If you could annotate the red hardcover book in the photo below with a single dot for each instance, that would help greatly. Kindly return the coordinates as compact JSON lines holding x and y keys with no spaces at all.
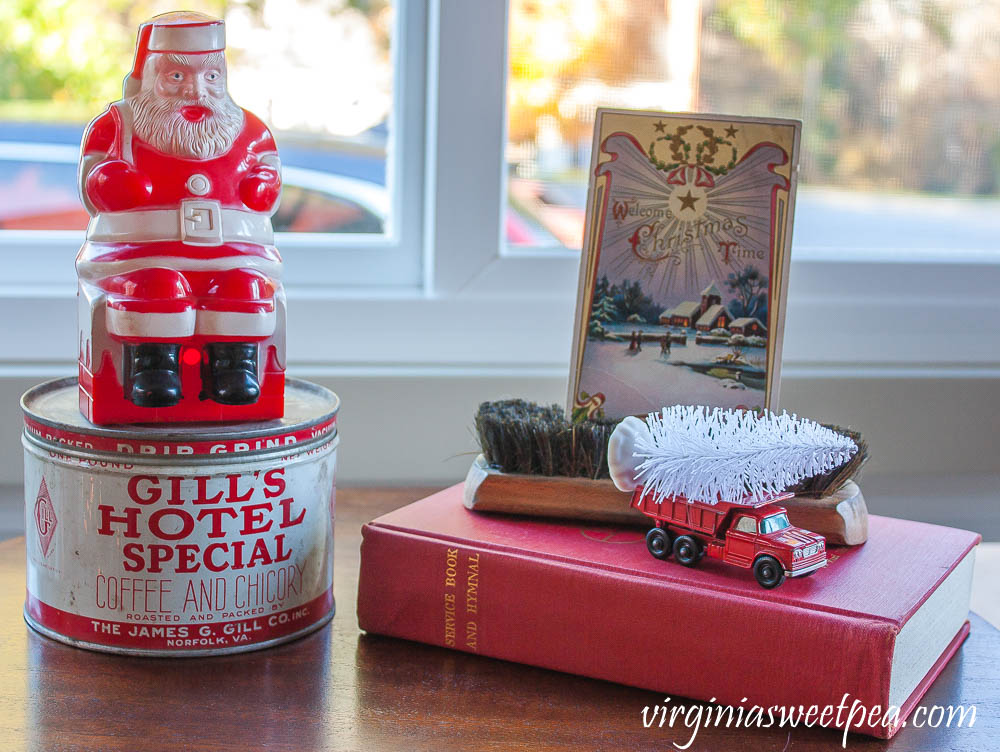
{"x":878,"y":624}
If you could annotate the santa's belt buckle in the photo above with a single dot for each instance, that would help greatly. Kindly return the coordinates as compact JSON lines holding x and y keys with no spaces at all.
{"x":201,"y":222}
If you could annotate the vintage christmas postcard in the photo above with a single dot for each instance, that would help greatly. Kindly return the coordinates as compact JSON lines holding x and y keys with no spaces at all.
{"x":684,"y":271}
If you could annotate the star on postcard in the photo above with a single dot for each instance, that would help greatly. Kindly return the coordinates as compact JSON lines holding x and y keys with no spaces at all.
{"x":687,"y":202}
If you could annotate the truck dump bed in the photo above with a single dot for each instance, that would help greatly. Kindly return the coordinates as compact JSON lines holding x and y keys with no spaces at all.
{"x":694,"y":515}
{"x":678,"y":510}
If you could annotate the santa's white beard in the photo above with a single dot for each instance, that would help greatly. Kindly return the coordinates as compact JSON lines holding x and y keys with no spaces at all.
{"x":158,"y":122}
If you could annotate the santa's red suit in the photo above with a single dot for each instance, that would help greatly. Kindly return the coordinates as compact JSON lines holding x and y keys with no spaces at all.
{"x":191,"y":252}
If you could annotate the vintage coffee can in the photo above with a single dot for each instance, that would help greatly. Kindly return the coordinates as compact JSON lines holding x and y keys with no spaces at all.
{"x":179,"y":539}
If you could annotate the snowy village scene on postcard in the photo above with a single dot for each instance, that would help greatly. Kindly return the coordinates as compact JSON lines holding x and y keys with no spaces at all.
{"x":685,"y":263}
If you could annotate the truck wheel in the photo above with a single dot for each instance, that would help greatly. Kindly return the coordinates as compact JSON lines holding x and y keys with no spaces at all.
{"x":768,"y":572}
{"x":687,"y":550}
{"x":658,"y":543}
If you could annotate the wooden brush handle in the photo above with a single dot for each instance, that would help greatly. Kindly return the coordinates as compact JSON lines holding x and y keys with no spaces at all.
{"x":842,"y":517}
{"x":489,"y":490}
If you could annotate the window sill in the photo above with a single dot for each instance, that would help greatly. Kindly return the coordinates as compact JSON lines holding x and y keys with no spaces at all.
{"x":516,"y":315}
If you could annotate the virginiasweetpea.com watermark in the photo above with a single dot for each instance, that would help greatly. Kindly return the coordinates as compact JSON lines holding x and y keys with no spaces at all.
{"x":847,"y":715}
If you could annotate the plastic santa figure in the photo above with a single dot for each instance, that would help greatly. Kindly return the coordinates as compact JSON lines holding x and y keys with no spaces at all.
{"x":179,"y":275}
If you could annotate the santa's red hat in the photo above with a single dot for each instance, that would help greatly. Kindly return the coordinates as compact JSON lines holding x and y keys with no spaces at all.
{"x":182,"y":32}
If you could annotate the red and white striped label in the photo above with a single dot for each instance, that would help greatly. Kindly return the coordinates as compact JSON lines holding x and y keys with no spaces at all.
{"x":89,"y":442}
{"x":181,"y":557}
{"x":170,"y":637}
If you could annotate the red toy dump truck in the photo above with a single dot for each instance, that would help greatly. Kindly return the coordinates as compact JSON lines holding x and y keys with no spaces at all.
{"x":752,"y":536}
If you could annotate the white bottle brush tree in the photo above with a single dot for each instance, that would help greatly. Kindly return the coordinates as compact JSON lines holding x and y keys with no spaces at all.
{"x":712,"y":455}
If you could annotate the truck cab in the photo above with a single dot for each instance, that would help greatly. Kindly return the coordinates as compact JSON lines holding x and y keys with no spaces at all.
{"x":766,"y":531}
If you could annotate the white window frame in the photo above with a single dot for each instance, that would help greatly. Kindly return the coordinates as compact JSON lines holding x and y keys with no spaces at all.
{"x":858,"y":311}
{"x":479,"y":309}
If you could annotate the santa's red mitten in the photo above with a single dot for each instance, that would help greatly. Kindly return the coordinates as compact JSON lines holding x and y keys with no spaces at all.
{"x":116,"y":185}
{"x":260,"y":189}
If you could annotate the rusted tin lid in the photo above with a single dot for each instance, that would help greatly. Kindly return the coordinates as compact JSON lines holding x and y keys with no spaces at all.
{"x":52,"y":418}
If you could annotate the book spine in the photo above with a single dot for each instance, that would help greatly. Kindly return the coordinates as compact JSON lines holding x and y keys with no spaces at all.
{"x":646,"y":633}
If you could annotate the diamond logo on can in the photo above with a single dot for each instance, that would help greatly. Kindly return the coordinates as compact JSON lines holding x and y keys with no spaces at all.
{"x":45,"y":518}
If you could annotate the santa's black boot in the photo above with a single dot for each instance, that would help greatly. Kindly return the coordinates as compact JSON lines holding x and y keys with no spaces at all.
{"x":230,"y":375}
{"x":152,"y":374}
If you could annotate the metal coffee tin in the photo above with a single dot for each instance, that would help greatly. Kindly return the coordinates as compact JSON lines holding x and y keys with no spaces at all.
{"x":179,"y":539}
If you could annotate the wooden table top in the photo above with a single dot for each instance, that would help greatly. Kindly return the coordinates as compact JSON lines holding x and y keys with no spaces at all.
{"x":340,"y":690}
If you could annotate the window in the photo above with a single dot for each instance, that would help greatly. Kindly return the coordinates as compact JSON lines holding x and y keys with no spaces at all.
{"x":747,"y":525}
{"x":327,"y":77}
{"x":899,"y":103}
{"x":452,"y":288}
{"x":774,"y":523}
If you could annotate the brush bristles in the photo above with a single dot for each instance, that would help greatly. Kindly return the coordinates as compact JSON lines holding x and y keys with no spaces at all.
{"x":828,"y":482}
{"x":521,"y":437}
{"x":516,"y":436}
{"x":737,"y":456}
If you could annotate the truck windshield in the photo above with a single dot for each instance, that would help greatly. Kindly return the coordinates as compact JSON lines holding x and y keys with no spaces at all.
{"x":774,"y":523}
